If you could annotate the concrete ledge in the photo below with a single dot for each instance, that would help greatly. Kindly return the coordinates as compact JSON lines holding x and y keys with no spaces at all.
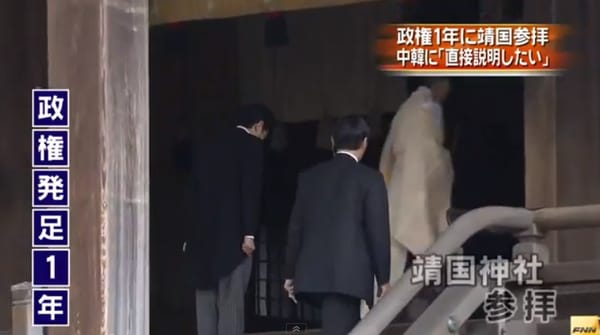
{"x":21,"y":293}
{"x":21,"y":311}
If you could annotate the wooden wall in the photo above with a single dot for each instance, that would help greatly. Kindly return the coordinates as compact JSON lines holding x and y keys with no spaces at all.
{"x":165,"y":11}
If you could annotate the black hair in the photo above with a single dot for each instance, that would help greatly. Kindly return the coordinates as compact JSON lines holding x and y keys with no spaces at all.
{"x":250,"y":114}
{"x":349,"y":132}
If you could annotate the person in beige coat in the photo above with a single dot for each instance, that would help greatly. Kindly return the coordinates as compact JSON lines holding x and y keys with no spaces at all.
{"x":418,"y":174}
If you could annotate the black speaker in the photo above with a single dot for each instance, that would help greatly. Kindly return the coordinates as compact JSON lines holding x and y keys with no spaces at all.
{"x":276,"y":34}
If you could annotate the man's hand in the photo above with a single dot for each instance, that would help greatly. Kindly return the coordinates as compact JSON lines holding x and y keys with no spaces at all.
{"x":248,"y":246}
{"x":383,"y":290}
{"x":288,"y":286}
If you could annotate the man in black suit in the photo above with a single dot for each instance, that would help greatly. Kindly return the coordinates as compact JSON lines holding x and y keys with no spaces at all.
{"x":220,"y":243}
{"x":339,"y":238}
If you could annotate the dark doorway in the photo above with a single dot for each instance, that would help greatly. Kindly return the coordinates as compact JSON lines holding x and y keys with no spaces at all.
{"x":193,"y":89}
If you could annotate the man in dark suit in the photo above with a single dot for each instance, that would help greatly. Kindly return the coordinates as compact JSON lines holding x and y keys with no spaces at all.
{"x":339,"y":238}
{"x":220,"y":243}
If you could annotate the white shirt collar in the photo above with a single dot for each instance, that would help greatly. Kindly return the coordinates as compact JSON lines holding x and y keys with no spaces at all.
{"x":244,"y":129}
{"x":344,"y":152}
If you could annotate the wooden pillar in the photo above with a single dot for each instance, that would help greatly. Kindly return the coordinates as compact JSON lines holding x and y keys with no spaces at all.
{"x":99,"y":50}
{"x":562,"y":126}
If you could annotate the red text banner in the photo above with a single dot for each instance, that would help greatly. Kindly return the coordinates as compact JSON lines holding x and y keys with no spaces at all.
{"x":472,"y":50}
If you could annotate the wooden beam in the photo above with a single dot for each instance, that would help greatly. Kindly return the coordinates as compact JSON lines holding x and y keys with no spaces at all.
{"x":571,"y":272}
{"x":99,"y":50}
{"x":562,"y":127}
{"x":168,"y":11}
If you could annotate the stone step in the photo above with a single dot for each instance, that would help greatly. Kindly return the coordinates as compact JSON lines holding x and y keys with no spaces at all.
{"x":572,"y":300}
{"x":471,"y":327}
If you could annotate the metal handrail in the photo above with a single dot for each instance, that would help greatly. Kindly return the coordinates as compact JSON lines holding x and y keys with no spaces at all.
{"x":511,"y":219}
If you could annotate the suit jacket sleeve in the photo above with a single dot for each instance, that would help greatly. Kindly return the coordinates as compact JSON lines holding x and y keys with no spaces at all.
{"x":294,"y":240}
{"x":197,"y":191}
{"x":378,"y":229}
{"x":251,"y":184}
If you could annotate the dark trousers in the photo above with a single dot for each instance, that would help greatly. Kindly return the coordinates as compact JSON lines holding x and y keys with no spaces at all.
{"x":221,"y":311}
{"x":340,"y":313}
